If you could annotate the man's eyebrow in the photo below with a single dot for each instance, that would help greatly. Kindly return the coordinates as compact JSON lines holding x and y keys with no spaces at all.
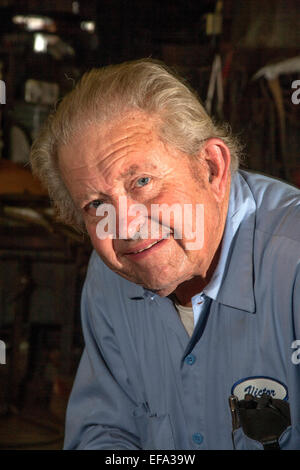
{"x":90,"y":193}
{"x":135,"y":168}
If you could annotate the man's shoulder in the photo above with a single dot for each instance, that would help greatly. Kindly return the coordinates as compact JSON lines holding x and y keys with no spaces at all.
{"x":277,"y":205}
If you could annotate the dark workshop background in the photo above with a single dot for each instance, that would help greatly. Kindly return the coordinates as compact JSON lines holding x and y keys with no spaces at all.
{"x":245,"y":52}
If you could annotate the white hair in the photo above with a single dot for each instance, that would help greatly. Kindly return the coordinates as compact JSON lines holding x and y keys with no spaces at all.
{"x":109,"y":92}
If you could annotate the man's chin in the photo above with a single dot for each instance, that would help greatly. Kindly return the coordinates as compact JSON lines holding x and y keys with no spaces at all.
{"x":162,"y":291}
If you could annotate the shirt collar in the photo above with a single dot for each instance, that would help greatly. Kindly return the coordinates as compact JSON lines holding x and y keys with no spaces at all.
{"x":232,"y":281}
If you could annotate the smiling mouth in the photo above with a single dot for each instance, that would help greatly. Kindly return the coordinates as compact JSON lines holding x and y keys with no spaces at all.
{"x":144,"y":249}
{"x":147,"y":248}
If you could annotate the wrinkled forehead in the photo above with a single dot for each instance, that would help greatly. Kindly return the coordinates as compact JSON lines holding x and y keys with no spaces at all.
{"x":105,"y":157}
{"x":95,"y":140}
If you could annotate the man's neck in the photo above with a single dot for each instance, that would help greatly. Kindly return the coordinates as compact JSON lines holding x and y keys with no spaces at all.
{"x":185,"y":291}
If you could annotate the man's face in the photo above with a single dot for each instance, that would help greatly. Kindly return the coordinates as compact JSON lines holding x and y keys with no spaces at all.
{"x":126,"y":161}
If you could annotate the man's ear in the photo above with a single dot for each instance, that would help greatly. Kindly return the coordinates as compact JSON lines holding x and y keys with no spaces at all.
{"x":216,"y":154}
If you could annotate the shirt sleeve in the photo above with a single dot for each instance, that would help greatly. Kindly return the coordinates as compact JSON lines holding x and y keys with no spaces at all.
{"x":100,"y":409}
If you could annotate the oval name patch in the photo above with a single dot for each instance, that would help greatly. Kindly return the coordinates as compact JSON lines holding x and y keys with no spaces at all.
{"x":256,"y":386}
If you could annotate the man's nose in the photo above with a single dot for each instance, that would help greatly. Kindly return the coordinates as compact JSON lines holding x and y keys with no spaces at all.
{"x":131,"y":218}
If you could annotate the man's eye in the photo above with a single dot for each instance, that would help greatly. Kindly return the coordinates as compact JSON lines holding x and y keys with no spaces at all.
{"x":143,"y":181}
{"x":92,"y":206}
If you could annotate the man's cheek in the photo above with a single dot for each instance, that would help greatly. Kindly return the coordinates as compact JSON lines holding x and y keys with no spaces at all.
{"x":104,"y":248}
{"x":91,"y":229}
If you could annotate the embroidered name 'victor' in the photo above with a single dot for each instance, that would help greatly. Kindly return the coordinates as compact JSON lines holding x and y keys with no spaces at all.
{"x":258,"y":392}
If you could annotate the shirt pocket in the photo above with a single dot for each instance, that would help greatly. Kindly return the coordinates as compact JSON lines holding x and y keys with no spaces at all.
{"x":155,"y":430}
{"x":243,"y":442}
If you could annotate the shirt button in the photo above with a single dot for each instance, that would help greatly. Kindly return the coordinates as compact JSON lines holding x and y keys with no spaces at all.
{"x":197,"y":438}
{"x":190,"y":359}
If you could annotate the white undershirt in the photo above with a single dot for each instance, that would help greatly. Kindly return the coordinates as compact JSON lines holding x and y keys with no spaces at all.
{"x":187,"y":317}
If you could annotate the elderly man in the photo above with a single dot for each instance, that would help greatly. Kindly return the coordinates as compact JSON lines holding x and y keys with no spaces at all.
{"x":190,"y":313}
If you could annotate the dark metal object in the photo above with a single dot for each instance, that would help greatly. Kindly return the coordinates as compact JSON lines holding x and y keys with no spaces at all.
{"x":263,"y":418}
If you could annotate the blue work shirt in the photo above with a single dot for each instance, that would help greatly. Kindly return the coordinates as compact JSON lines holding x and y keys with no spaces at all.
{"x":143,"y":383}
